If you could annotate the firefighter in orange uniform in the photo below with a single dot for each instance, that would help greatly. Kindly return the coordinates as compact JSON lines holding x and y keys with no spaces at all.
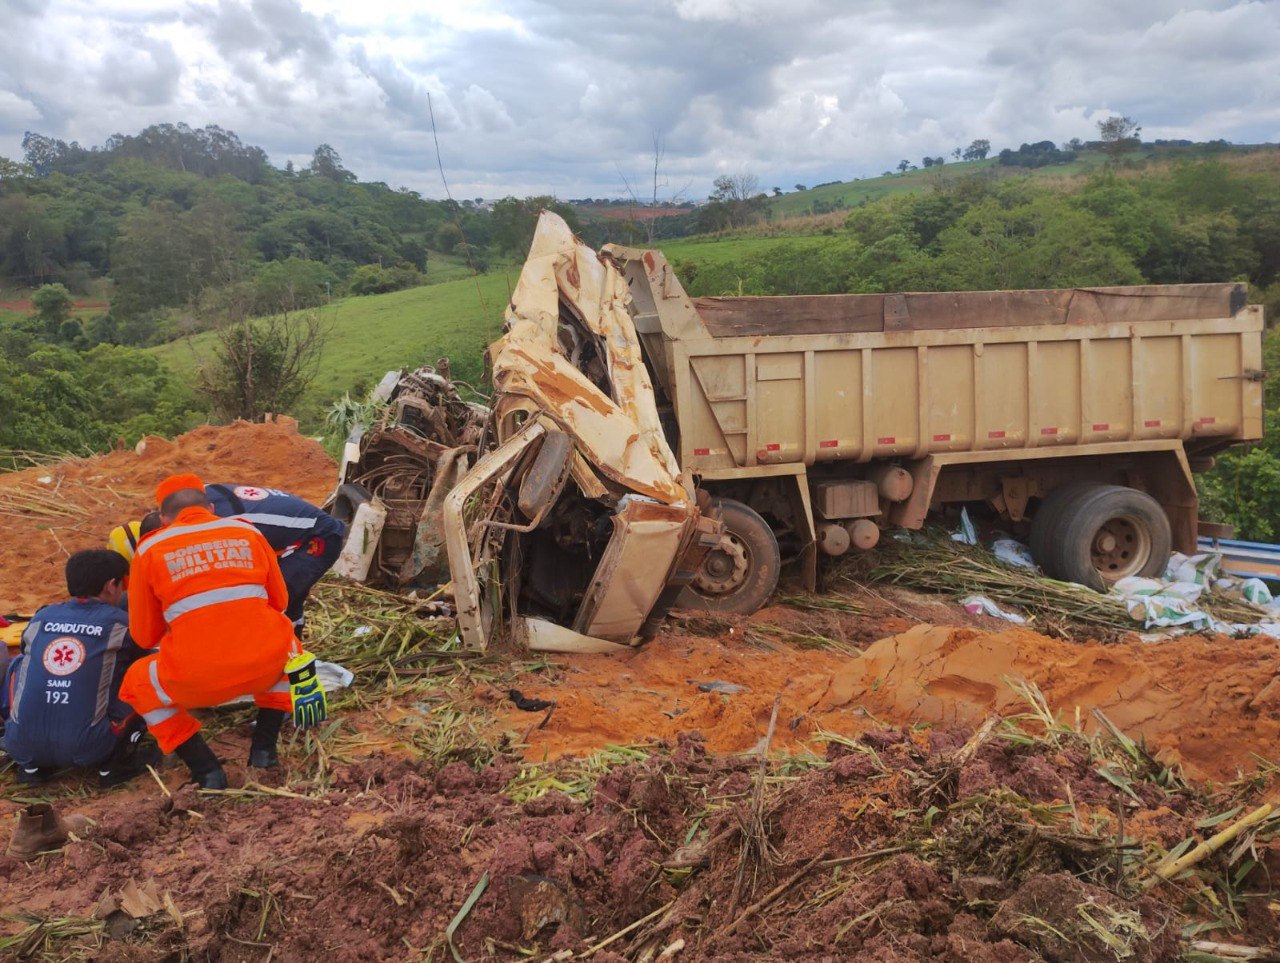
{"x":209,"y":593}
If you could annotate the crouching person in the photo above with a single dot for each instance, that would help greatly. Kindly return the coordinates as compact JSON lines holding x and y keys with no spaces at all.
{"x":207,"y":591}
{"x":63,"y":688}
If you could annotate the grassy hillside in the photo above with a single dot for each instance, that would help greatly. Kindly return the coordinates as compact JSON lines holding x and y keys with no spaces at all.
{"x":849,"y":194}
{"x":371,"y":335}
{"x":856,"y":193}
{"x":708,"y":251}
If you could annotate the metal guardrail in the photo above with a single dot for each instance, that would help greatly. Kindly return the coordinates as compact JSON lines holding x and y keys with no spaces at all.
{"x":1246,"y":559}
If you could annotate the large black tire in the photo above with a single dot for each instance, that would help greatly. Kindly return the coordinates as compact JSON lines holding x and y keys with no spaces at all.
{"x":1045,"y":521}
{"x":1109,"y":532}
{"x":741,"y":573}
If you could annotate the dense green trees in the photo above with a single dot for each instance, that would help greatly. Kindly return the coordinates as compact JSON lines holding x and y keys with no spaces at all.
{"x":184,"y":219}
{"x":1199,"y":221}
{"x":1040,"y":154}
{"x":53,"y":303}
{"x":57,"y":399}
{"x":513,"y":221}
{"x":1243,"y":490}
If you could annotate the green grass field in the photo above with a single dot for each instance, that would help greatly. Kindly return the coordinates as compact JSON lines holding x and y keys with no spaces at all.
{"x":706,"y":251}
{"x":370,"y":336}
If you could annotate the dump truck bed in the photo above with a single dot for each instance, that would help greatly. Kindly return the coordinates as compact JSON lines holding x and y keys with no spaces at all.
{"x":987,"y":374}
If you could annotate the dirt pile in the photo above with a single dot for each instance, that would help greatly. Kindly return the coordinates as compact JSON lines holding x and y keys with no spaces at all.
{"x":52,"y":510}
{"x":900,"y":845}
{"x":1209,"y":703}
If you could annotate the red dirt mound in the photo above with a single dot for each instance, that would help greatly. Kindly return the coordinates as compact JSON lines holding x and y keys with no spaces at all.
{"x":1206,"y":702}
{"x":53,"y":510}
{"x":901,"y":846}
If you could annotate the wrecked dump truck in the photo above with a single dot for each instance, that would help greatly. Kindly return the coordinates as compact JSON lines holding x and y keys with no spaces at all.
{"x":647,"y":450}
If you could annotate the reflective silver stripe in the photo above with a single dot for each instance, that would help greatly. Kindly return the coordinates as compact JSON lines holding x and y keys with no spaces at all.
{"x":106,"y":678}
{"x":173,"y":530}
{"x":20,"y":684}
{"x":156,"y":716}
{"x":155,"y":684}
{"x":213,"y":597}
{"x":283,"y":521}
{"x":279,"y":687}
{"x":30,"y":632}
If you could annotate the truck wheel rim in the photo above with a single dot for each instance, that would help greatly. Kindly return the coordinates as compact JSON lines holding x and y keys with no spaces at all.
{"x":725,"y":567}
{"x":1121,"y":547}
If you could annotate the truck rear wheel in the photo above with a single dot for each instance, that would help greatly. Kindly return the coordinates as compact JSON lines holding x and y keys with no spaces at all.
{"x":740,"y":573}
{"x":1045,"y":522}
{"x":1104,"y":533}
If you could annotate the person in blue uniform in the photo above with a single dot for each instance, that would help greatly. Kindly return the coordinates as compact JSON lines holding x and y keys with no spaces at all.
{"x":62,"y":692}
{"x":307,"y":540}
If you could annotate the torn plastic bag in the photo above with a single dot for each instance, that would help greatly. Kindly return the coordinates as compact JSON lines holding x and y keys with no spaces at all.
{"x":981,"y":605}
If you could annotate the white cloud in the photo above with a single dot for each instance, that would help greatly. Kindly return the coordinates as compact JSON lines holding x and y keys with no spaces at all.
{"x":531,"y":96}
{"x":15,"y":110}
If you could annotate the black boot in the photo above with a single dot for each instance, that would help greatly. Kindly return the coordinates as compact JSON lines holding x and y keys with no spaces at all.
{"x":130,"y":760}
{"x":266,"y":733}
{"x":35,"y":775}
{"x":206,"y":771}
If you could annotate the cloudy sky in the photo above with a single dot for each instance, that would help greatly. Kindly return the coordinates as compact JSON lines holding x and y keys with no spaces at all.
{"x":566,"y":96}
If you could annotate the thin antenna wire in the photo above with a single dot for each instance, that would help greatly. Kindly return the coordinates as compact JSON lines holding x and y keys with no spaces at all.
{"x":475,"y":275}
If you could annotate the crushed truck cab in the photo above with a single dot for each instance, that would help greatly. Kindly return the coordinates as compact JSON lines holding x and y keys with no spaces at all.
{"x":583,"y":518}
{"x":562,"y":513}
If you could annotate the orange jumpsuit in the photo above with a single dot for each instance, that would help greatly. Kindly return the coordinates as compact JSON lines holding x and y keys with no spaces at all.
{"x":209,"y":593}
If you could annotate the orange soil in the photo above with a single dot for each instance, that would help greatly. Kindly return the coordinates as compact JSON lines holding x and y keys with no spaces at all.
{"x":96,"y":494}
{"x":1207,"y":702}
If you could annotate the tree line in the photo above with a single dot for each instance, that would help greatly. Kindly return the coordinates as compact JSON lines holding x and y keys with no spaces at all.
{"x":183,"y":229}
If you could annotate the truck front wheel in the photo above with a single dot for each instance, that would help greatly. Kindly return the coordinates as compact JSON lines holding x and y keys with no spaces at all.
{"x":1105,"y":533}
{"x":740,"y":573}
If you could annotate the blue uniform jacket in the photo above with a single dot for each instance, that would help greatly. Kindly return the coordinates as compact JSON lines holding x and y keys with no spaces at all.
{"x":287,"y":521}
{"x":65,"y":685}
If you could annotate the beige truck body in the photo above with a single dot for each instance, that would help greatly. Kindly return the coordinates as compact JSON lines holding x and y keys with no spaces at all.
{"x":997,"y":396}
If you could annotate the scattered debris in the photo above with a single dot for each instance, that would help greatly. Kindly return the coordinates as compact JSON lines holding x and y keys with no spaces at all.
{"x":986,"y":581}
{"x":524,"y":704}
{"x":724,"y":688}
{"x":981,"y":605}
{"x":124,"y":910}
{"x":396,"y":473}
{"x":540,"y":901}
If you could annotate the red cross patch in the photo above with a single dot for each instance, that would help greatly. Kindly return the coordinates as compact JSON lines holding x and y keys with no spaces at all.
{"x":63,"y":656}
{"x":250,"y":493}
